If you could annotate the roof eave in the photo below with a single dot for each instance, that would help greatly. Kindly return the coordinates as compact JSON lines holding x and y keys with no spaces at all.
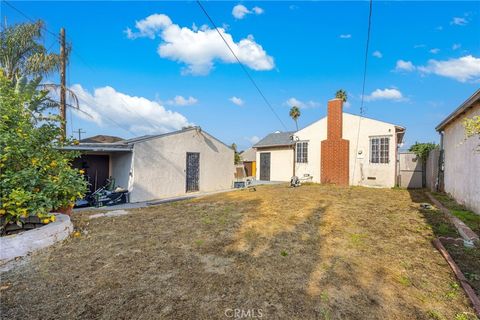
{"x":461,"y":109}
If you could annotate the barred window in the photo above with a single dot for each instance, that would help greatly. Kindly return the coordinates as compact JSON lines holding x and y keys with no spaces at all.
{"x":379,"y":147}
{"x":302,"y":152}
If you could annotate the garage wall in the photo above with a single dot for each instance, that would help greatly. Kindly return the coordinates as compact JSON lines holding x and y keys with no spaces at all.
{"x":121,"y":169}
{"x":160,"y":165}
{"x":281,"y":163}
{"x":462,"y":162}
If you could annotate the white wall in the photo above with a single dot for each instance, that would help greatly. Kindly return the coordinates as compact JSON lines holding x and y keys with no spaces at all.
{"x":462,"y":163}
{"x":281,"y":163}
{"x":121,"y":168}
{"x":160,"y":165}
{"x":384,"y":173}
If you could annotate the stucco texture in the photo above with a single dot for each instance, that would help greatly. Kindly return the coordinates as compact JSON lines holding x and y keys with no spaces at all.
{"x":159,"y":165}
{"x":361,"y":171}
{"x":462,"y":162}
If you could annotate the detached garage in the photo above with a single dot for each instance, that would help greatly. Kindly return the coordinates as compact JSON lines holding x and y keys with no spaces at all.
{"x":160,"y":166}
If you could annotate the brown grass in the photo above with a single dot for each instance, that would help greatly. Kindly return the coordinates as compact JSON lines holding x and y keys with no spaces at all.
{"x":312,"y":252}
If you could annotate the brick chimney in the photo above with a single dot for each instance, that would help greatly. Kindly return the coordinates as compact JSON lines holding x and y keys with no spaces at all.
{"x":335,"y":150}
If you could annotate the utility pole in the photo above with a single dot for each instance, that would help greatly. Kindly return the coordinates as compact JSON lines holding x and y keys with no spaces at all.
{"x":63,"y":97}
{"x":79,"y":132}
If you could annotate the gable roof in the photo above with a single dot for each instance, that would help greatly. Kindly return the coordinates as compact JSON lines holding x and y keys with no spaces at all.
{"x":474,"y":98}
{"x":276,"y":139}
{"x":248,"y":155}
{"x":127,"y":145}
{"x":100,"y":138}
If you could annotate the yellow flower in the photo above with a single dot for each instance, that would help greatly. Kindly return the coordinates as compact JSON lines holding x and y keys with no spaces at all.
{"x":53,"y":164}
{"x":81,"y":171}
{"x":45,"y":221}
{"x":34,"y":161}
{"x":76,"y":234}
{"x":53,"y":218}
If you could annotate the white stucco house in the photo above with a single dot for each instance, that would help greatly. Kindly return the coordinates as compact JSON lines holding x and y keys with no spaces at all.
{"x":160,"y":166}
{"x":461,"y":155}
{"x":340,"y":148}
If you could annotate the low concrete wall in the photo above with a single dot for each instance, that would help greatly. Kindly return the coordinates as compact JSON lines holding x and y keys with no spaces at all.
{"x":19,"y":245}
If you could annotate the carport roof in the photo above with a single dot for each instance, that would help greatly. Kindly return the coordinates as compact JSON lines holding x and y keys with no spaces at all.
{"x":276,"y":139}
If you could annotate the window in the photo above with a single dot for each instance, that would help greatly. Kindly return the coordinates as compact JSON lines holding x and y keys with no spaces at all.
{"x":379,"y":147}
{"x":302,"y":152}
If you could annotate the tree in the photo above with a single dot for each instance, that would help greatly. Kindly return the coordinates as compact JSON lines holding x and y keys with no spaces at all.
{"x":422,"y":150}
{"x":24,"y":62}
{"x":35,"y":174}
{"x":295,"y":114}
{"x":341,"y":94}
{"x":237,"y":158}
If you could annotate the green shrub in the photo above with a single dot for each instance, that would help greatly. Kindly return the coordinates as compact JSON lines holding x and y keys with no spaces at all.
{"x":35,"y":175}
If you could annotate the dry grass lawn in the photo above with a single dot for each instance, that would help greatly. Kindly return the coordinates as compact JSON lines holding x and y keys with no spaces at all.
{"x":315,"y":252}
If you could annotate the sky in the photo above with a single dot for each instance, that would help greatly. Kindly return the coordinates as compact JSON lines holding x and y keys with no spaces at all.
{"x":153,"y":67}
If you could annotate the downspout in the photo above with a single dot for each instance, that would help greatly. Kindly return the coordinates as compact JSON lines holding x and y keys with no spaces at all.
{"x":440,"y":175}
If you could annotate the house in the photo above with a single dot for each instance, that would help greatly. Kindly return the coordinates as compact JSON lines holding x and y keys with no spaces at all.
{"x":159,"y":166}
{"x":248,"y":158}
{"x":461,"y":155}
{"x":340,"y":148}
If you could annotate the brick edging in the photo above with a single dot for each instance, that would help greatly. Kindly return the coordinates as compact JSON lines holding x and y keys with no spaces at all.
{"x":460,"y":276}
{"x":462,"y":228}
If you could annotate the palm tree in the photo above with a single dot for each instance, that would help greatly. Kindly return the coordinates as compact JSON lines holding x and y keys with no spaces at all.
{"x":341,"y":94}
{"x":295,"y":114}
{"x":25,"y":61}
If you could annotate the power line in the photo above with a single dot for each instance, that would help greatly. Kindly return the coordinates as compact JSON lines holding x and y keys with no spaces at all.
{"x":363,"y":84}
{"x":242,"y":65}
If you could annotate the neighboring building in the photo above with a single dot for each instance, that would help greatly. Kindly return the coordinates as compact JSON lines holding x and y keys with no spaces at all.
{"x":327,"y":151}
{"x":101,"y":139}
{"x":461,"y":155}
{"x":159,"y":166}
{"x":249,"y":161}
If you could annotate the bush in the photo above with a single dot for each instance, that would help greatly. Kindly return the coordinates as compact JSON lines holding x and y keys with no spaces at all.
{"x":35,"y":174}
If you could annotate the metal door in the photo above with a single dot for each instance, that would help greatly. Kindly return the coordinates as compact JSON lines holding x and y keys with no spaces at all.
{"x":265,"y":166}
{"x":193,"y":171}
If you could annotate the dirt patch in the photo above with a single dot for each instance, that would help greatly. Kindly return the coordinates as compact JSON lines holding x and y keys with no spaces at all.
{"x":314,"y":252}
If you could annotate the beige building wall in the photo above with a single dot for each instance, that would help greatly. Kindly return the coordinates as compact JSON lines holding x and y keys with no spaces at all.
{"x":462,"y":162}
{"x":384,"y":174}
{"x":159,"y":165}
{"x":281,"y":163}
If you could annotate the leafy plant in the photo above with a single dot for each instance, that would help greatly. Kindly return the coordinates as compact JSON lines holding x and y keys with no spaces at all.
{"x":35,"y":174}
{"x":472,"y":126}
{"x":422,"y":149}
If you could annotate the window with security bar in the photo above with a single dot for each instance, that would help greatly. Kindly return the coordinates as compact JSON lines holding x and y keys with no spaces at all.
{"x":302,"y":152}
{"x":379,"y":149}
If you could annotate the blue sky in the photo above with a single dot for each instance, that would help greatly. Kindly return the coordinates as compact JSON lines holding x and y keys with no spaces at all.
{"x":424,"y":60}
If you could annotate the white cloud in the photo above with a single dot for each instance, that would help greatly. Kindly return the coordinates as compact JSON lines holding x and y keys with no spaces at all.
{"x":434,"y":50}
{"x":136,"y":114}
{"x":459,"y":21}
{"x":345,"y":36}
{"x":456,"y":46}
{"x":237,"y":101}
{"x":182,"y":101}
{"x":385,"y":94}
{"x":253,"y":139}
{"x":297,"y":103}
{"x":463,"y":69}
{"x":199,"y":48}
{"x":403,"y":65}
{"x":377,"y":54}
{"x":240,"y":11}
